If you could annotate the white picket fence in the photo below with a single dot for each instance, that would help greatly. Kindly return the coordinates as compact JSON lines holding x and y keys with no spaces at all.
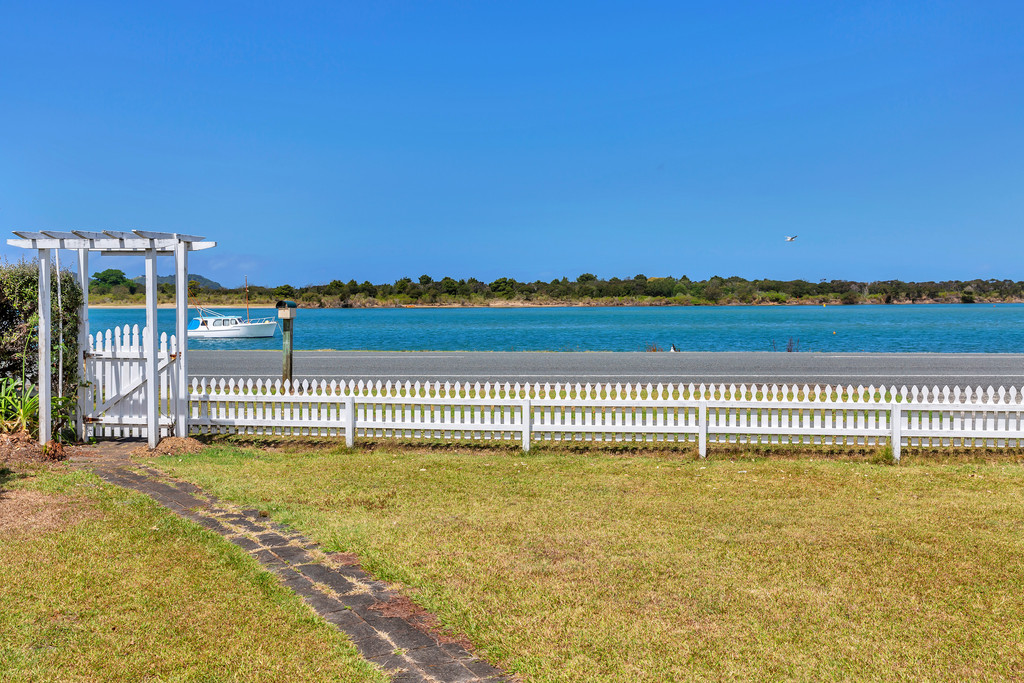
{"x":115,"y":396}
{"x":115,"y":393}
{"x":661,"y":413}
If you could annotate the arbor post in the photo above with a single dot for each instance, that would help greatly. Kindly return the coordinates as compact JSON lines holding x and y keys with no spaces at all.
{"x":181,"y":411}
{"x":83,"y":340}
{"x":45,"y":371}
{"x":149,"y":343}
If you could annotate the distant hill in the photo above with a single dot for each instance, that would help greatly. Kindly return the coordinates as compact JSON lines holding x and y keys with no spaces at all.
{"x":205,"y":283}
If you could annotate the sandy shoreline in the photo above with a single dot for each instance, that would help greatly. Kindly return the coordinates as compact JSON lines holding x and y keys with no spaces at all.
{"x":530,"y":304}
{"x":140,"y":307}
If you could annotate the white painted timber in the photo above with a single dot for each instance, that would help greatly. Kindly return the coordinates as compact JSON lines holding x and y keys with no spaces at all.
{"x":666,"y":413}
{"x":545,"y":412}
{"x":45,"y":370}
{"x":149,"y":346}
{"x":181,"y":334}
{"x":114,"y":385}
{"x":107,"y":245}
{"x":83,"y":336}
{"x":116,"y":392}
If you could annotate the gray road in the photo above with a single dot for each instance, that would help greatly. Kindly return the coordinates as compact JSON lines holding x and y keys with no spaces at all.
{"x":823,"y":368}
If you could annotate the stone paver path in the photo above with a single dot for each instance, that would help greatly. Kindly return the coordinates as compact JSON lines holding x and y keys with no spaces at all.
{"x":345,"y":596}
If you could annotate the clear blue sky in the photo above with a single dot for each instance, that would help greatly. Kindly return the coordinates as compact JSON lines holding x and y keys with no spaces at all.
{"x":380,"y":140}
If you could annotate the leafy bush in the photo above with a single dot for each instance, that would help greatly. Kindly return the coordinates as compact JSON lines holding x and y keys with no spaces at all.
{"x":19,"y":322}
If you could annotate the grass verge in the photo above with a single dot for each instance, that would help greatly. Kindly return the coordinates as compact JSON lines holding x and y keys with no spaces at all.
{"x":99,"y":583}
{"x":658,"y":568}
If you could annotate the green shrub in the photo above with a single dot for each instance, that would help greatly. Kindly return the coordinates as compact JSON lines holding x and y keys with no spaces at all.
{"x":19,"y":410}
{"x":19,"y":406}
{"x":19,"y":333}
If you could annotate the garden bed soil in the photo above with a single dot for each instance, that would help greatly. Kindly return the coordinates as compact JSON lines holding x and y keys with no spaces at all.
{"x":22,"y":449}
{"x":172,"y":445}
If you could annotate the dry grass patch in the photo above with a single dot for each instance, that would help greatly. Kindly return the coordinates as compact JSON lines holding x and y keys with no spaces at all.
{"x":617,"y":567}
{"x":103,"y":584}
{"x":24,"y":511}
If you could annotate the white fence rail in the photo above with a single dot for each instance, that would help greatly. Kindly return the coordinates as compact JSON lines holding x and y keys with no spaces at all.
{"x":662,"y":413}
{"x":115,"y":393}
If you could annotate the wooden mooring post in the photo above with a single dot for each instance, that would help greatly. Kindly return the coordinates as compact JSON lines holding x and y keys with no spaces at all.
{"x":286,"y":311}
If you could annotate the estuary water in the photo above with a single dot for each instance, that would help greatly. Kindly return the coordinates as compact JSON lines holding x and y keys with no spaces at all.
{"x":952,"y":328}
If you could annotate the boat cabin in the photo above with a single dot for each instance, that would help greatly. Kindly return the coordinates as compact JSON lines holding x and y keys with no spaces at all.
{"x":207,"y":323}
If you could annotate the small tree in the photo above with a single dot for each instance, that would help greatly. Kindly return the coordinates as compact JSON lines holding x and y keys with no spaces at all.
{"x":284,"y":292}
{"x":449,"y":286}
{"x":503,"y":286}
{"x":109,"y":280}
{"x":111,"y":277}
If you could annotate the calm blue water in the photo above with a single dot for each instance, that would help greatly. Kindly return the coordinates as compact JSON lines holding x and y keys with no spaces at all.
{"x":952,"y":328}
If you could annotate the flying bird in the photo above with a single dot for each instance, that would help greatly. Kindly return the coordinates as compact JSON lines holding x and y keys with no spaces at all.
{"x":790,"y":239}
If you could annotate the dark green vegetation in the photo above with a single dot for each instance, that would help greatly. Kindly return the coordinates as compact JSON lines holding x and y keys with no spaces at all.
{"x":19,"y":322}
{"x":663,"y":567}
{"x":113,"y":284}
{"x":587,"y":289}
{"x":19,"y":348}
{"x":100,"y":584}
{"x":197,"y":281}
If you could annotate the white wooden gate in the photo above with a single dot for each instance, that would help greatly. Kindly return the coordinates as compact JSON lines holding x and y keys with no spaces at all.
{"x":116,"y":394}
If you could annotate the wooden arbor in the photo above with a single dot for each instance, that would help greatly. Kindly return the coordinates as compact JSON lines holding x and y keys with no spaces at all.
{"x":111,"y":242}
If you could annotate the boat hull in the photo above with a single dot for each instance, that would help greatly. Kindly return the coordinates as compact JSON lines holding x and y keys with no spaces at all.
{"x":239,"y":331}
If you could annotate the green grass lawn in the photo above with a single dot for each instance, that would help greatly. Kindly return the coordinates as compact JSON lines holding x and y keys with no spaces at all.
{"x":110,"y":586}
{"x":625,"y":568}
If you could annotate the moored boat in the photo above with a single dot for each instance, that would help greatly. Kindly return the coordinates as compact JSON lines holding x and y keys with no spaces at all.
{"x":210,"y":324}
{"x":213,"y":325}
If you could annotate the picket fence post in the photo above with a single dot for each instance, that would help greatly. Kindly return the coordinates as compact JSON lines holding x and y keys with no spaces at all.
{"x":527,"y":424}
{"x":350,"y":421}
{"x":702,"y":426}
{"x":895,"y":418}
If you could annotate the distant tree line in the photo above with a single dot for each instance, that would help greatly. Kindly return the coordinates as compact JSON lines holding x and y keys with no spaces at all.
{"x":586,"y":289}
